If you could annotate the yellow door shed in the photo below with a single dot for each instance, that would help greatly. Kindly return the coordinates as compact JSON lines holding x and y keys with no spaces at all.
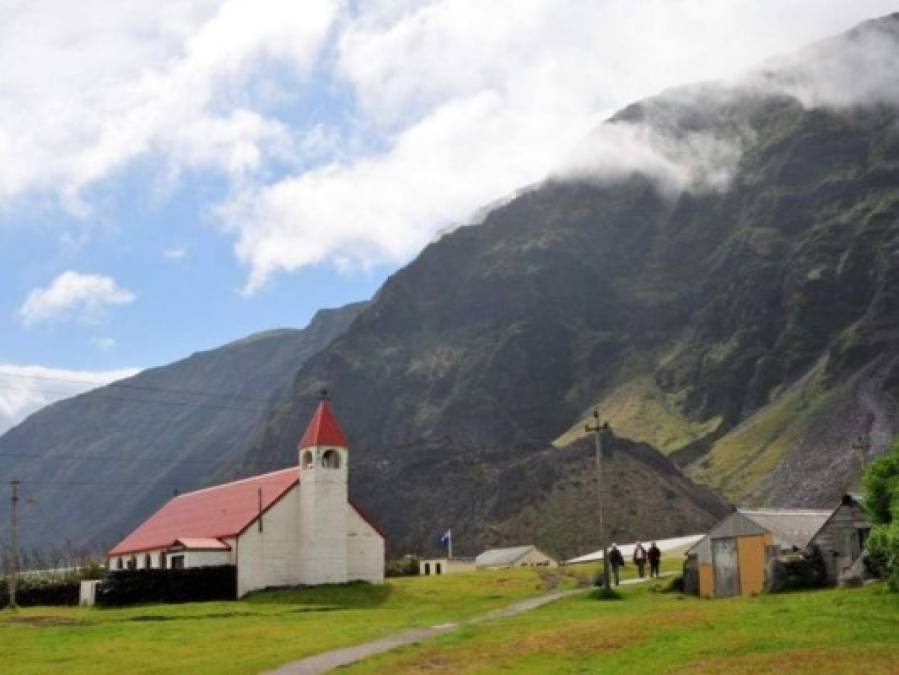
{"x":733,"y":557}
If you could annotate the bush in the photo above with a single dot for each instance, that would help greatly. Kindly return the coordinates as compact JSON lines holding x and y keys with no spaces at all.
{"x":33,"y":592}
{"x":194,"y":584}
{"x":881,"y":482}
{"x":406,"y":566}
{"x":797,"y":571}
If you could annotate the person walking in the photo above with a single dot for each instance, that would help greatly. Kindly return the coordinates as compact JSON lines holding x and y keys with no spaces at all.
{"x":640,"y":559}
{"x":616,"y":561}
{"x":655,"y":559}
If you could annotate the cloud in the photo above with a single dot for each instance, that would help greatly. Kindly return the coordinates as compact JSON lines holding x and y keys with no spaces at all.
{"x":103,"y":344}
{"x":26,"y":389}
{"x":88,"y":87}
{"x":474,"y":105}
{"x":449,"y":105}
{"x":71,"y":294}
{"x":175,"y":253}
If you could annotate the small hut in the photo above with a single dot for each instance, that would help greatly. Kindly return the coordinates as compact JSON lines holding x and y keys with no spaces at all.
{"x":842,"y":538}
{"x":733,"y":557}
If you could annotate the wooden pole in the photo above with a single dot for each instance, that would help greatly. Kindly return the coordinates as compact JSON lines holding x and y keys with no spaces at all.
{"x":14,"y":562}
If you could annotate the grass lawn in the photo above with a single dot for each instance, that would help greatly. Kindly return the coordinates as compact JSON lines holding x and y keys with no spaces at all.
{"x":261,"y":632}
{"x":820,"y":632}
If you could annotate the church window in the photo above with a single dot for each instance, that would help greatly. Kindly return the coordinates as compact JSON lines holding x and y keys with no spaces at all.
{"x":148,"y":562}
{"x":177,"y":562}
{"x":331,"y":459}
{"x":119,"y":564}
{"x":132,"y":563}
{"x":162,"y":560}
{"x":308,"y":461}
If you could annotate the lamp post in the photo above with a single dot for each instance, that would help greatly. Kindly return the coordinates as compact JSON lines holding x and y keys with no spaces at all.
{"x":598,"y":430}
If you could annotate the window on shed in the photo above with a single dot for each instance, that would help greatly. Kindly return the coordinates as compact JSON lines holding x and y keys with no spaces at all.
{"x":427,"y":569}
{"x":331,"y":459}
{"x":863,"y":534}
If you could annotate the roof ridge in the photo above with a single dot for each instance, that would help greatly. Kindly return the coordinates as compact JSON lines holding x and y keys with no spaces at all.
{"x":235,"y":482}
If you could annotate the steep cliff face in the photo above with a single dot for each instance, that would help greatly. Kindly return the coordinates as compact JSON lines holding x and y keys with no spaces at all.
{"x":727,"y":320}
{"x":95,"y":465}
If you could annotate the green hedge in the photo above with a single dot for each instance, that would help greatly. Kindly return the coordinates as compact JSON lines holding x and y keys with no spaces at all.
{"x":194,"y":584}
{"x":42,"y":592}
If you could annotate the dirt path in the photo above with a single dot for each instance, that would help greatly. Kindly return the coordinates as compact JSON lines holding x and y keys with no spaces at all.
{"x":326,"y":661}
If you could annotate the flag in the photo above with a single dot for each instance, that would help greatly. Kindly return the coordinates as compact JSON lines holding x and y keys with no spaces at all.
{"x":447,"y":537}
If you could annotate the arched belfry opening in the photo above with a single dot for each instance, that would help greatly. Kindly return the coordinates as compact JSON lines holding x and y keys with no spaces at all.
{"x":331,"y":459}
{"x":308,"y":460}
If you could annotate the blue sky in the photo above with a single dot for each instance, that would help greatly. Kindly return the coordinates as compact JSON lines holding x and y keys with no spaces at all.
{"x":177,"y":175}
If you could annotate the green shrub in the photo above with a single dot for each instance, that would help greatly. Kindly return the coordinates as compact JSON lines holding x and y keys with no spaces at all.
{"x":42,"y":591}
{"x":881,"y":482}
{"x":193,"y":584}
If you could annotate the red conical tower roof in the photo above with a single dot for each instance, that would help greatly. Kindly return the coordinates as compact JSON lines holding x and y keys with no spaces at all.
{"x":323,"y":429}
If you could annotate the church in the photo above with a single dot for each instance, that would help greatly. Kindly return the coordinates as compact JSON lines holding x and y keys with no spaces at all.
{"x":285,"y":528}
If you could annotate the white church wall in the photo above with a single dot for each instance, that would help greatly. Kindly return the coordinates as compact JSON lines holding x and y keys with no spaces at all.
{"x":203,"y":558}
{"x":365,"y":549}
{"x":323,"y":520}
{"x":270,"y":557}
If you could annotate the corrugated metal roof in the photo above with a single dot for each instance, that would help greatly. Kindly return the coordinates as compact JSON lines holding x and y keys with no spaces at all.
{"x":790,"y":527}
{"x":664,"y":545}
{"x":213,"y":512}
{"x":498,"y":557}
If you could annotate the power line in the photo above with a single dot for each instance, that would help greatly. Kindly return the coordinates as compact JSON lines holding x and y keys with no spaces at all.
{"x":140,"y":387}
{"x":124,"y":399}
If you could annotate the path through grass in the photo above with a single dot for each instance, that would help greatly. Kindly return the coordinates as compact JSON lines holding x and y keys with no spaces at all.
{"x":820,"y":632}
{"x":261,"y":632}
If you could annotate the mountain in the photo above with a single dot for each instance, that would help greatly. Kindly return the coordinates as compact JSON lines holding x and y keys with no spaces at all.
{"x":95,"y":465}
{"x":716,"y":271}
{"x":718,"y":275}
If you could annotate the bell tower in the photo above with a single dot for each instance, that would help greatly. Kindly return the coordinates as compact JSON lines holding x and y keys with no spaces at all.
{"x":324,"y":466}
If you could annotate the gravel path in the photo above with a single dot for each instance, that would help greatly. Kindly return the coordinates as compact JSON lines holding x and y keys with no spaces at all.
{"x":326,"y":661}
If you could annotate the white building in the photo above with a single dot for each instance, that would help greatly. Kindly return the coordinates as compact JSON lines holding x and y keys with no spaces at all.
{"x":285,"y":528}
{"x":514,"y":556}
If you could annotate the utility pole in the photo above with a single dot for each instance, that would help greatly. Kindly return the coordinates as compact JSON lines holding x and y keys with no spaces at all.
{"x":14,"y":563}
{"x":599,"y":429}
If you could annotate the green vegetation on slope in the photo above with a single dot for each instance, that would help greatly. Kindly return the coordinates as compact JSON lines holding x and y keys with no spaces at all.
{"x":640,"y":410}
{"x":821,"y":632}
{"x":261,"y":632}
{"x":739,"y":461}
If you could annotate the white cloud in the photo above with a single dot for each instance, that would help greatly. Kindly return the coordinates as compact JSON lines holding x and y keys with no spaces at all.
{"x":175,"y":253}
{"x":103,"y":344}
{"x":26,"y":389}
{"x":73,"y":295}
{"x":478,"y":99}
{"x":464,"y":101}
{"x":90,"y":86}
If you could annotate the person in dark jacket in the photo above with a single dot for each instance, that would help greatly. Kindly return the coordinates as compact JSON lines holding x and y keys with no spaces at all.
{"x":655,"y":559}
{"x":640,"y":559}
{"x":616,"y":561}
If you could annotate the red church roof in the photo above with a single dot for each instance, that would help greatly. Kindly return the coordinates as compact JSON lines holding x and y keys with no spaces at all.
{"x":212,"y":513}
{"x":323,"y":429}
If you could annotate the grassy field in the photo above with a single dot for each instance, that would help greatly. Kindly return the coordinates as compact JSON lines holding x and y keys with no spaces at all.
{"x":258,"y":633}
{"x":820,"y":632}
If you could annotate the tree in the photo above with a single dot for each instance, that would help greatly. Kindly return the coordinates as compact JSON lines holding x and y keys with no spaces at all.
{"x":881,"y":482}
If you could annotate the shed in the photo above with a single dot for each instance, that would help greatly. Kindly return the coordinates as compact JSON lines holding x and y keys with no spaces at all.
{"x":514,"y":556}
{"x":732,"y":557}
{"x":438,"y":566}
{"x":841,"y":539}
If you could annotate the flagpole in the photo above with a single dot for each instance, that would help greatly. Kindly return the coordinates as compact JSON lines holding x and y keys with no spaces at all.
{"x":450,"y":544}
